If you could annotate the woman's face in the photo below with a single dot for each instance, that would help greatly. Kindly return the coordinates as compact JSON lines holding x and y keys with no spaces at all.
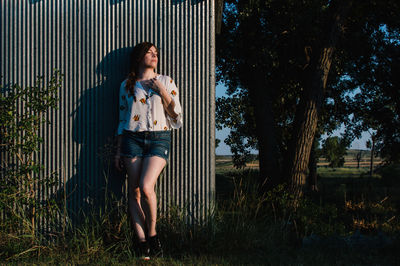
{"x":150,"y":59}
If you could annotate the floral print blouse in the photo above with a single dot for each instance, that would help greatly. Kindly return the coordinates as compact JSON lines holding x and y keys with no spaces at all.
{"x":144,"y":110}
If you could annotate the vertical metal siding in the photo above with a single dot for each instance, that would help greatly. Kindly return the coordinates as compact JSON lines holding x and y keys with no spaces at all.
{"x":88,"y":41}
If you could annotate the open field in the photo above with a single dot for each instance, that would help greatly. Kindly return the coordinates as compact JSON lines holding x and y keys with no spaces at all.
{"x":224,"y":163}
{"x":348,"y":178}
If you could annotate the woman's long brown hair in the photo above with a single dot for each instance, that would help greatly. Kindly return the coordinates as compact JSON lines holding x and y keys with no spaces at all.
{"x":138,"y":52}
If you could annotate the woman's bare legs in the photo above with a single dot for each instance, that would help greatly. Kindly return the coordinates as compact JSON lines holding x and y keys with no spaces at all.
{"x":151,"y":169}
{"x":142,"y":177}
{"x":133,"y":167}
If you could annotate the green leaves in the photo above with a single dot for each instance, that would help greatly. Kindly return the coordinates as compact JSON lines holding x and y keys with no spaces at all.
{"x":20,"y":140}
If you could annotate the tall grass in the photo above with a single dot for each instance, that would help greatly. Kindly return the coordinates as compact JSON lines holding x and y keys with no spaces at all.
{"x":235,"y":226}
{"x":243,"y":228}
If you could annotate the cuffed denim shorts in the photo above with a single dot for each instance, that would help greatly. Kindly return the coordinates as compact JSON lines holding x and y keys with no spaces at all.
{"x":146,"y":144}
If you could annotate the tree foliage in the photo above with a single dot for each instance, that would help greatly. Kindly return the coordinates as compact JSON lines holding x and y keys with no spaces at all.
{"x":281,"y":59}
{"x":376,"y":105}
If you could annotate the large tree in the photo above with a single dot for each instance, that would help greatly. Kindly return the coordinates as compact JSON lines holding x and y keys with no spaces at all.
{"x":283,"y":63}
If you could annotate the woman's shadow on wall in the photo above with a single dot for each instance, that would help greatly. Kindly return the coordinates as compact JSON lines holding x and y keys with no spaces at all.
{"x":95,"y":120}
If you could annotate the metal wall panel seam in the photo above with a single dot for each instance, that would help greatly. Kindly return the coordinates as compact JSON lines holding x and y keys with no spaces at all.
{"x":60,"y":58}
{"x":95,"y":92}
{"x":17,"y":64}
{"x":65,"y":164}
{"x":77,"y":78}
{"x":210,"y":84}
{"x":185,"y":83}
{"x":178,"y":80}
{"x":84,"y":115}
{"x":163,"y":183}
{"x":173,"y":75}
{"x":168,"y":68}
{"x":192,"y":100}
{"x":190,"y":111}
{"x":101,"y":80}
{"x":53,"y":64}
{"x":212,"y":107}
{"x":196,"y":123}
{"x":175,"y":69}
{"x":69,"y":169}
{"x":202,"y":121}
{"x":52,"y":44}
{"x":14,"y":40}
{"x":80,"y":159}
{"x":203,"y":112}
{"x":51,"y":144}
{"x":8,"y":44}
{"x":93,"y":85}
{"x":206,"y":111}
{"x":74,"y":79}
{"x":199,"y":119}
{"x":70,"y":84}
{"x":170,"y":23}
{"x":207,"y":106}
{"x":94,"y":136}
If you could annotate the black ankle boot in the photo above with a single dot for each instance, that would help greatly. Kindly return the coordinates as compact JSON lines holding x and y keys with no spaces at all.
{"x":144,"y":250}
{"x":155,"y":247}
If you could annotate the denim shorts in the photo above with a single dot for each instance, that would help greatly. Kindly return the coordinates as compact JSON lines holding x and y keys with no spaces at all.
{"x":146,"y":144}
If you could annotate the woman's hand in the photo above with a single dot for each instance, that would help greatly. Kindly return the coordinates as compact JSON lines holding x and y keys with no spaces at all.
{"x":160,"y":89}
{"x":118,"y":162}
{"x":155,"y":85}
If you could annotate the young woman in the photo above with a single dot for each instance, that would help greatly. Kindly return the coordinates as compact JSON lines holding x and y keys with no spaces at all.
{"x":149,"y":109}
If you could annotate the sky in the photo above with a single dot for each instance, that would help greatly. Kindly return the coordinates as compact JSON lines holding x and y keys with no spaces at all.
{"x":224,"y":149}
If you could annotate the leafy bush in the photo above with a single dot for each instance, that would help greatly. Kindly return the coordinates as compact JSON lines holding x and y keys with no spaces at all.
{"x":21,"y":174}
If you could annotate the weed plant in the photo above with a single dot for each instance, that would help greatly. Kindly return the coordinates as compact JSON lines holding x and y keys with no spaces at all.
{"x":22,"y":112}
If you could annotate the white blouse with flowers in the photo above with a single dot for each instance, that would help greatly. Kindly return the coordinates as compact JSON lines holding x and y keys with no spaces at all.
{"x":144,"y":110}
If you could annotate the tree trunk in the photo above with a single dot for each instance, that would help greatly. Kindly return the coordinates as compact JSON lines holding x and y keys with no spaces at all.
{"x":358,"y":158}
{"x":268,"y":148}
{"x":306,"y":118}
{"x":301,"y":144}
{"x":312,"y":167}
{"x":371,"y":165}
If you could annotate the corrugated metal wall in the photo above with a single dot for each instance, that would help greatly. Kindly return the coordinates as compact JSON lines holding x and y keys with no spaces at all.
{"x":89,"y":41}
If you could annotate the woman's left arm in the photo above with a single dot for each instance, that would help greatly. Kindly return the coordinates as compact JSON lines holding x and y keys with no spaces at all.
{"x":168,"y":103}
{"x":170,"y":99}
